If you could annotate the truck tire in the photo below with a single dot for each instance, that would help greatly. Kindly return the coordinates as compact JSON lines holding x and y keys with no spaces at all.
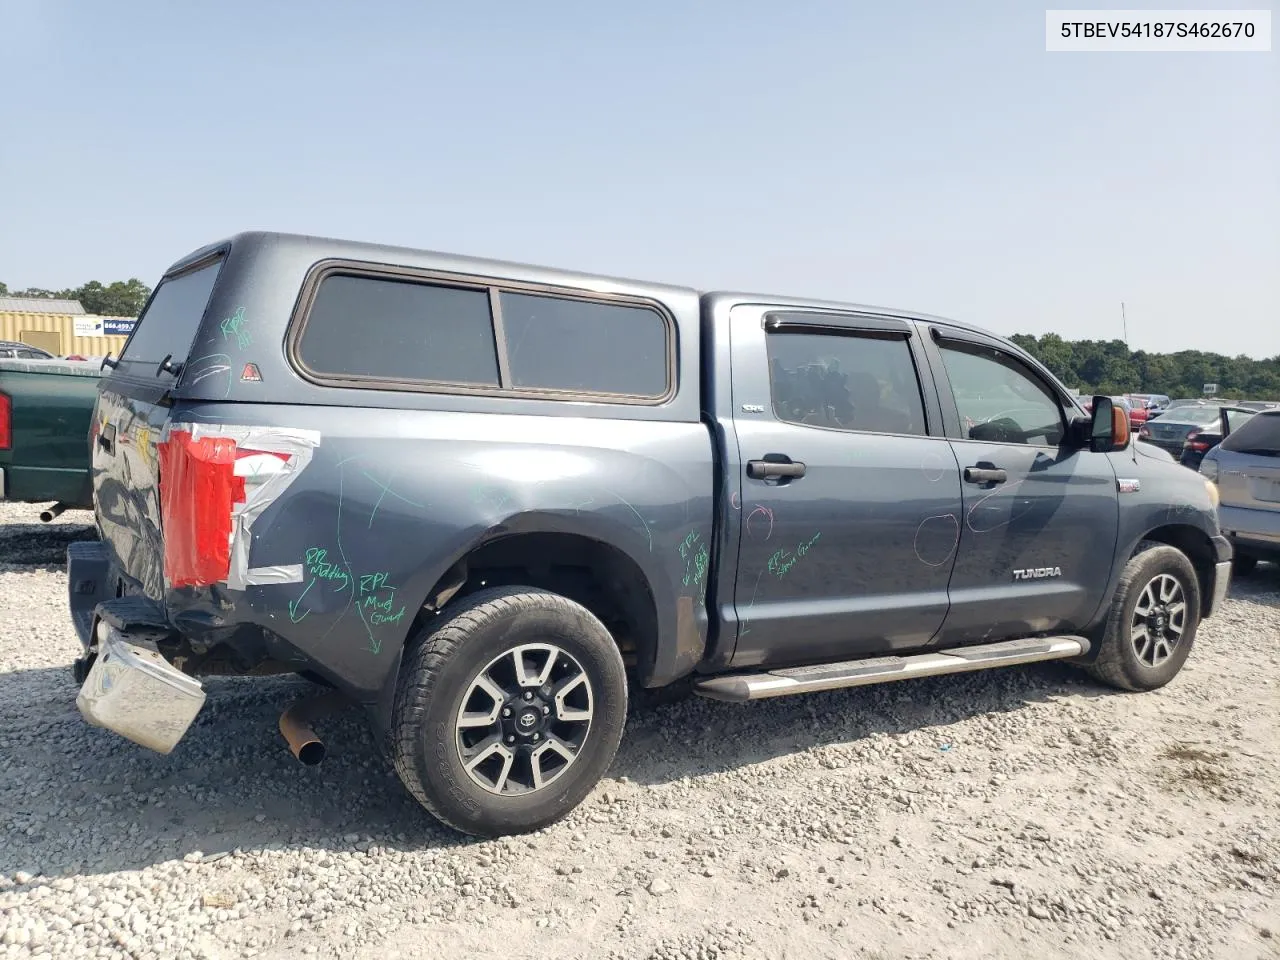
{"x":1153,"y":620}
{"x":508,"y":710}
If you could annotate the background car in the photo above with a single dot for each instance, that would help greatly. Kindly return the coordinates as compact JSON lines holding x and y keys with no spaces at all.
{"x":1153,"y":403}
{"x":1170,"y":430}
{"x":1260,"y":404}
{"x":1124,"y":404}
{"x":1139,"y":412}
{"x":1246,"y":468}
{"x":1200,"y":442}
{"x":16,"y":350}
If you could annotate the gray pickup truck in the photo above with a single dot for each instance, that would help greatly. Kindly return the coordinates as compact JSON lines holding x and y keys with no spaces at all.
{"x":474,"y":497}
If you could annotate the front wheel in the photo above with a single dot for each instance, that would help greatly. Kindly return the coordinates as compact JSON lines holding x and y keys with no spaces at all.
{"x":1153,"y":620}
{"x":508,"y":711}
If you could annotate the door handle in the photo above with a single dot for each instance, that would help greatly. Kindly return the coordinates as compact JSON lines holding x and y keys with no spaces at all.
{"x":984,"y":475}
{"x":768,"y":469}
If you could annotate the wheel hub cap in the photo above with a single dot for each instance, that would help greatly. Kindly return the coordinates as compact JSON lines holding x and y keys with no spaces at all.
{"x":524,"y":719}
{"x":1159,"y":619}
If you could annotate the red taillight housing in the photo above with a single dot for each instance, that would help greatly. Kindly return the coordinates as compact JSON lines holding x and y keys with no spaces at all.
{"x":1195,"y":443}
{"x":200,"y":488}
{"x":6,"y":422}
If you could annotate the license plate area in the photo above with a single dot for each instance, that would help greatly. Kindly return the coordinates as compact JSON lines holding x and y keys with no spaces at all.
{"x":1264,"y":489}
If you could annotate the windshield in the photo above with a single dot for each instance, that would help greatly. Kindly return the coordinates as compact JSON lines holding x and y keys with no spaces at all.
{"x":1199,"y":416}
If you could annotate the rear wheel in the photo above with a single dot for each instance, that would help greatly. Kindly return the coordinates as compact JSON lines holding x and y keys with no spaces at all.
{"x":1153,"y":620}
{"x":509,"y":711}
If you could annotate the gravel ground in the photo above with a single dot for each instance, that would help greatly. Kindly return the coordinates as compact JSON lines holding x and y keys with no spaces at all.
{"x":1024,"y":812}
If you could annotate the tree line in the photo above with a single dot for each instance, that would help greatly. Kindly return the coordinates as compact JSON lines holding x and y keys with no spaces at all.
{"x":123,"y":298}
{"x":1110,"y":367}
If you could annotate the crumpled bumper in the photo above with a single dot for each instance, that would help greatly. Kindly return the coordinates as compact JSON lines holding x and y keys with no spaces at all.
{"x":133,"y":690}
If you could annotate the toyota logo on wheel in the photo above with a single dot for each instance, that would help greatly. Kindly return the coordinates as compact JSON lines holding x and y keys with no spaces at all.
{"x":528,"y":720}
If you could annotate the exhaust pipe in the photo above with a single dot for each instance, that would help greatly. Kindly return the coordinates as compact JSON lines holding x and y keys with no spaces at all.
{"x":295,"y":726}
{"x":53,"y":512}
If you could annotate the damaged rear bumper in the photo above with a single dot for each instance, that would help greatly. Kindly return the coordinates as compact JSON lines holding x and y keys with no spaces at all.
{"x":133,"y":690}
{"x":127,"y":685}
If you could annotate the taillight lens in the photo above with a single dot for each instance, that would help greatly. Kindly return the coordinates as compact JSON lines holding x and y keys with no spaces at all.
{"x":1195,"y":443}
{"x":1145,"y":432}
{"x":201,"y":482}
{"x":6,"y":422}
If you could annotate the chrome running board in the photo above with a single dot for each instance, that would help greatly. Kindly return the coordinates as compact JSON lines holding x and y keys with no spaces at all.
{"x":857,"y":673}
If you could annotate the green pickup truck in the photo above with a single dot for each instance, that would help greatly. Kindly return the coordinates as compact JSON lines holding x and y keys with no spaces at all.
{"x":45,"y":410}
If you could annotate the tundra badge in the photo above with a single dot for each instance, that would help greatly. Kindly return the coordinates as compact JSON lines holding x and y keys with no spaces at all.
{"x":1037,"y":573}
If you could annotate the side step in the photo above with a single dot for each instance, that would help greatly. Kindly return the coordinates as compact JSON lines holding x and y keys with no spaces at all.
{"x":857,"y":673}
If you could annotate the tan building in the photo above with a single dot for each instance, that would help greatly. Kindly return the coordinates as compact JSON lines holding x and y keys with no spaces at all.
{"x":61,"y":327}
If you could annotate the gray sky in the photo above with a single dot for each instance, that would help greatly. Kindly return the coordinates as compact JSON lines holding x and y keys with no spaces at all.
{"x":922,"y":155}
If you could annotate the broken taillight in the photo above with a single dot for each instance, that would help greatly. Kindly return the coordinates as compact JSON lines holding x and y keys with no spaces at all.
{"x":202,"y":482}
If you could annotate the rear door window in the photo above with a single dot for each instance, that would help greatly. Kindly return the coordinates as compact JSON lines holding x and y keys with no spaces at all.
{"x":366,"y":328}
{"x":845,"y":381}
{"x":168,"y":325}
{"x":554,"y":343}
{"x":1260,"y":436}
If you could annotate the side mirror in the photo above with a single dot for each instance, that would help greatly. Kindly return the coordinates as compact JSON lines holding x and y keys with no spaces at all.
{"x":1108,"y":426}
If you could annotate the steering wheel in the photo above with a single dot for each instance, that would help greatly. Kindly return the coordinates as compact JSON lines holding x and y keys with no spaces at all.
{"x":999,"y":430}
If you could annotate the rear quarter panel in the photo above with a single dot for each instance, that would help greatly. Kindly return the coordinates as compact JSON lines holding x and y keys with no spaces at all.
{"x":391,"y":500}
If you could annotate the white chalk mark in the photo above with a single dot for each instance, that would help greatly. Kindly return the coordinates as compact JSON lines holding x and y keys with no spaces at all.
{"x":996,"y":510}
{"x":944,"y":519}
{"x":764,"y":511}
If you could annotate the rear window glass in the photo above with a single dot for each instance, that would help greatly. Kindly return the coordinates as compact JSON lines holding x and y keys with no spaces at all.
{"x":1260,"y":435}
{"x":365,"y":327}
{"x":555,"y":343}
{"x":169,"y":324}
